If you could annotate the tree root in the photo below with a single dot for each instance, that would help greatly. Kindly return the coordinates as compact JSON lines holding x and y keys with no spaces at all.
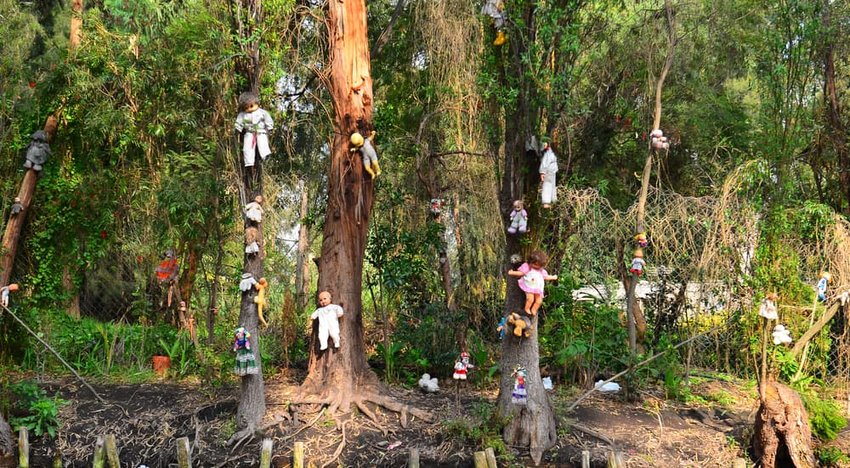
{"x":338,"y":450}
{"x":360,"y":400}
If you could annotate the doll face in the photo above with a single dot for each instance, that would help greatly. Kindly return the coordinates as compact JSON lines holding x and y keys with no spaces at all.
{"x":259,"y":199}
{"x":518,"y":205}
{"x":252,"y":107}
{"x":324,"y":299}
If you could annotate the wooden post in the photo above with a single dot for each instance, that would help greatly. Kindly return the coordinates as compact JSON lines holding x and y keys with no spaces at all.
{"x":298,"y":455}
{"x":480,"y":460}
{"x":99,"y":454}
{"x":266,"y":453}
{"x":615,"y":460}
{"x":413,"y":462}
{"x":585,"y":459}
{"x":23,"y":448}
{"x":111,"y":447}
{"x":491,"y":457}
{"x":184,"y":453}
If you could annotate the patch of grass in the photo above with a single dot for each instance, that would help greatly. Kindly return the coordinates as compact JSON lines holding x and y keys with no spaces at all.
{"x":831,"y":457}
{"x":721,"y":397}
{"x":481,"y":430}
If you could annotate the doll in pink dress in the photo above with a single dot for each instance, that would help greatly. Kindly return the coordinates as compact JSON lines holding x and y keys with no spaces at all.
{"x":532,"y":279}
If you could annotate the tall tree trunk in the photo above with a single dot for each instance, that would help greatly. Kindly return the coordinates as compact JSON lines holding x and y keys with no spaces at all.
{"x":302,"y":267}
{"x":835,"y":124}
{"x":76,"y":33}
{"x":531,"y":425}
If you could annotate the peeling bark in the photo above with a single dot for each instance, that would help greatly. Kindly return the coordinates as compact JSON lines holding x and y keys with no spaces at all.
{"x":782,"y":434}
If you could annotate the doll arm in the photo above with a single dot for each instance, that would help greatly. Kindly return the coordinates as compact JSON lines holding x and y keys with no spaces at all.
{"x":269,"y":121}
{"x":339,"y":312}
{"x":516,"y":273}
{"x":551,"y":277}
{"x":239,"y":127}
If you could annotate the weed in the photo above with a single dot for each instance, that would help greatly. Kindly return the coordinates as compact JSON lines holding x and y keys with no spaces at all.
{"x":831,"y":457}
{"x":41,"y":413}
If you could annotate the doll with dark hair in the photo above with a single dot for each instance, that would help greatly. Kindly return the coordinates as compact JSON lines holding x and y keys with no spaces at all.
{"x":532,"y":279}
{"x":254,"y":124}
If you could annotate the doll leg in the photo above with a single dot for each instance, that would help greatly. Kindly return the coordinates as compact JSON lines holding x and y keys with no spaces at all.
{"x":523,"y":226}
{"x":323,"y":337}
{"x":538,"y":301}
{"x":335,"y":335}
{"x":529,"y":300}
{"x":367,"y":166}
{"x":263,"y":146}
{"x":248,"y":149}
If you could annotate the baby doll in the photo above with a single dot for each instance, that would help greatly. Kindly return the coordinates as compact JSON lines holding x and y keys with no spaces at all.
{"x":495,"y":9}
{"x":328,"y":315}
{"x":17,"y":206}
{"x":532,"y":278}
{"x":519,"y":219}
{"x":370,"y":157}
{"x":4,"y":293}
{"x":519,"y":395}
{"x":768,"y":307}
{"x":548,"y":169}
{"x":638,"y":263}
{"x":641,"y":239}
{"x":823,"y":282}
{"x":254,"y":210}
{"x":245,"y":362}
{"x":252,"y":235}
{"x":254,"y":124}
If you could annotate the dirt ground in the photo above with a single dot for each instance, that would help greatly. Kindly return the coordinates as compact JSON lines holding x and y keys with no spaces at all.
{"x":148,"y":418}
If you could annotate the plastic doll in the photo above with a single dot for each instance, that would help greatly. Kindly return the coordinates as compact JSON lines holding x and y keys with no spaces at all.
{"x":768,"y":307}
{"x":370,"y":156}
{"x":519,"y":395}
{"x":658,"y":140}
{"x":638,"y":263}
{"x":641,"y":239}
{"x":502,"y":327}
{"x":823,"y":282}
{"x":254,"y":124}
{"x":254,"y":210}
{"x":260,"y":299}
{"x":462,"y":366}
{"x":328,"y":315}
{"x":519,"y":218}
{"x":252,"y":235}
{"x":495,"y":9}
{"x":17,"y":206}
{"x":4,"y":293}
{"x":246,"y":363}
{"x":548,"y":169}
{"x":532,"y":278}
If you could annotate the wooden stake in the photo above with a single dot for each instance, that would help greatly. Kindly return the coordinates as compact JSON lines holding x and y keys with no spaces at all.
{"x":413,"y":462}
{"x":298,"y":455}
{"x":266,"y":453}
{"x":491,"y":457}
{"x":480,"y":460}
{"x":23,"y":448}
{"x":615,"y":460}
{"x":184,"y":453}
{"x":585,"y":459}
{"x":111,"y":447}
{"x":99,"y":454}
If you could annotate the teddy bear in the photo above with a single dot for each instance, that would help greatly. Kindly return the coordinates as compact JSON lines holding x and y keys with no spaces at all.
{"x":522,"y":326}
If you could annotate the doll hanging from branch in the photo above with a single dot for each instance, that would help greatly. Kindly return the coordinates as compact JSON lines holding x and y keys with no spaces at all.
{"x":495,"y":9}
{"x":370,"y":156}
{"x":168,"y":271}
{"x":548,"y":170}
{"x":4,"y":293}
{"x":254,"y":124}
{"x":519,"y":218}
{"x":532,"y":278}
{"x":638,"y":263}
{"x":246,"y":363}
{"x":823,"y":284}
{"x":260,"y":299}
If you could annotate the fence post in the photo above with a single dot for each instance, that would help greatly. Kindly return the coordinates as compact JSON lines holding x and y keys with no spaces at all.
{"x":184,"y":453}
{"x":266,"y":453}
{"x":480,"y":460}
{"x":615,"y":460}
{"x":99,"y":454}
{"x":298,"y":455}
{"x":111,"y":451}
{"x":491,"y":457}
{"x":413,"y":462}
{"x":585,"y":459}
{"x":23,"y":448}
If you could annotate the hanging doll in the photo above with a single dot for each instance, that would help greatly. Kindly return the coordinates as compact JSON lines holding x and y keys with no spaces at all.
{"x":548,"y":169}
{"x":167,"y":271}
{"x":462,"y":366}
{"x":641,"y":239}
{"x":768,"y":307}
{"x":260,"y":299}
{"x":658,"y":141}
{"x":245,"y":362}
{"x":638,"y":263}
{"x":247,"y":282}
{"x":4,"y":293}
{"x":254,"y":124}
{"x":532,"y":278}
{"x":495,"y":9}
{"x":436,"y":207}
{"x":519,"y":395}
{"x":328,"y":315}
{"x":252,"y":235}
{"x":370,"y":156}
{"x":38,"y":151}
{"x":254,"y":210}
{"x":17,"y":206}
{"x":519,"y":218}
{"x":501,"y":328}
{"x":781,"y":335}
{"x":823,"y":282}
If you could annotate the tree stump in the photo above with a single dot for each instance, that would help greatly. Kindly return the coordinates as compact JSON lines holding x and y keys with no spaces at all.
{"x":7,"y":440}
{"x":782,"y":435}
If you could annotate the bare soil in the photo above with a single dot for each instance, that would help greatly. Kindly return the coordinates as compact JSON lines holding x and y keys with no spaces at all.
{"x":148,"y":418}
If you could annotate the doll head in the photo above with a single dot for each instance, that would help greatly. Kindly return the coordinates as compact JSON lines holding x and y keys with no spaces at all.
{"x":771,"y":296}
{"x":262,"y":283}
{"x":241,"y":334}
{"x":538,"y":259}
{"x":17,"y":200}
{"x":248,"y":102}
{"x":518,"y":205}
{"x":638,"y":253}
{"x":827,"y":276}
{"x":324,"y":299}
{"x":464,"y":357}
{"x":13,"y":287}
{"x":356,"y":140}
{"x":259,"y":199}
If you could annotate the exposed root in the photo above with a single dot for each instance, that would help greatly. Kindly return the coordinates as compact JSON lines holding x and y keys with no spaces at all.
{"x":343,"y":402}
{"x":365,"y":409}
{"x":338,"y":450}
{"x":240,"y":437}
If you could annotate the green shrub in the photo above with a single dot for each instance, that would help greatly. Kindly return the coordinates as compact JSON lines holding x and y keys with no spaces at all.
{"x":41,"y":413}
{"x":829,"y":457}
{"x":825,"y":416}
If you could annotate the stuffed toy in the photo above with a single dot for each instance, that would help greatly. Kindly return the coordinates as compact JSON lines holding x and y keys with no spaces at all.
{"x":658,"y":140}
{"x":168,"y":267}
{"x":328,"y":315}
{"x":428,"y":384}
{"x":641,"y":239}
{"x":519,"y":395}
{"x":522,"y":326}
{"x":252,"y":235}
{"x":38,"y":151}
{"x":768,"y":307}
{"x":367,"y":151}
{"x":462,"y":366}
{"x":638,"y":263}
{"x":254,"y":124}
{"x":260,"y":299}
{"x":781,"y":335}
{"x":823,"y":282}
{"x":532,"y":280}
{"x":548,"y":170}
{"x":495,"y":9}
{"x":436,"y":207}
{"x":519,"y":218}
{"x":247,"y":282}
{"x":254,"y":210}
{"x":246,"y":363}
{"x":17,"y":207}
{"x":501,"y":328}
{"x":4,"y":293}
